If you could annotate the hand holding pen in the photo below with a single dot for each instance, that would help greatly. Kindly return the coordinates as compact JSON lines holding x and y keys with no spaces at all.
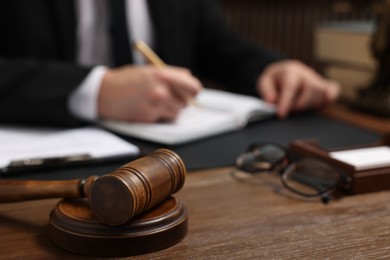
{"x":152,"y":57}
{"x":146,"y":93}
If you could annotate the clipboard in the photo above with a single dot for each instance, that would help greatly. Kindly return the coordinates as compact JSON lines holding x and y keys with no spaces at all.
{"x":26,"y":149}
{"x":364,"y":180}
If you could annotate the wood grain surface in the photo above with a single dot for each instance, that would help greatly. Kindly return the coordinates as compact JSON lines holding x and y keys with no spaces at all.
{"x":232,"y":216}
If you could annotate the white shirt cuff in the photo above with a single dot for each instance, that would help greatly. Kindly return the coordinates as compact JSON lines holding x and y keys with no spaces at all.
{"x":83,"y":100}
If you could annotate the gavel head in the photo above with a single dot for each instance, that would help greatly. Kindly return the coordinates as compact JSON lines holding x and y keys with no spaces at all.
{"x":135,"y":187}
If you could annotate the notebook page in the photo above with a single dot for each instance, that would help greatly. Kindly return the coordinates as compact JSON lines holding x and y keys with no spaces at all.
{"x":192,"y":123}
{"x":242,"y":107}
{"x":216,"y":112}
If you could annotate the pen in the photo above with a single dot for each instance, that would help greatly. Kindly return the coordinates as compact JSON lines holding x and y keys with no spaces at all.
{"x":149,"y":54}
{"x":38,"y":163}
{"x":152,"y":57}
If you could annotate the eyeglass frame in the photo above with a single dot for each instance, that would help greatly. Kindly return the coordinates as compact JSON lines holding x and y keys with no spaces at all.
{"x":283,"y":166}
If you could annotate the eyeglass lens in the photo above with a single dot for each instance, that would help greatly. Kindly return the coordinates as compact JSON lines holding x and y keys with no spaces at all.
{"x":308,"y":176}
{"x":262,"y":157}
{"x":311,"y":177}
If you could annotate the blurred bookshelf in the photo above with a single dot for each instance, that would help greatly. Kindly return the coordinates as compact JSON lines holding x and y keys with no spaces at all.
{"x":288,"y":26}
{"x":328,"y":35}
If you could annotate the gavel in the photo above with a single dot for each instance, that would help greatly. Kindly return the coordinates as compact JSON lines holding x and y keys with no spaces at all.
{"x":115,"y":197}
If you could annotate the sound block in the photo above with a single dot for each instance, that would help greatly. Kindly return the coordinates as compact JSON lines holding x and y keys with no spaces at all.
{"x":74,"y":227}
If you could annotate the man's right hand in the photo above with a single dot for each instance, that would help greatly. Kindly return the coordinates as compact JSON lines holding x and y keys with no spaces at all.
{"x":146,"y":93}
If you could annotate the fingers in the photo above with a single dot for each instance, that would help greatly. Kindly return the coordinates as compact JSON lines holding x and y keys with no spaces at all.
{"x":176,"y":88}
{"x":292,"y":86}
{"x":180,"y":82}
{"x":312,"y":93}
{"x":145,"y":93}
{"x":288,"y":94}
{"x":156,"y":104}
{"x":333,"y":90}
{"x":279,"y":85}
{"x":164,"y":104}
{"x":267,"y":88}
{"x":320,"y":92}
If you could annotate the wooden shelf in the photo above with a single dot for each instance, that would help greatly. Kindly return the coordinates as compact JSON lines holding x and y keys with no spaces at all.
{"x":372,"y":122}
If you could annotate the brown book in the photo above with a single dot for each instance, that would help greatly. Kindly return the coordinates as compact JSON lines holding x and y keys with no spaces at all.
{"x":351,"y":78}
{"x":344,"y":43}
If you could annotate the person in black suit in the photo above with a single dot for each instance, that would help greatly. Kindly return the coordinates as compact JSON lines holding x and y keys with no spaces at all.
{"x":39,"y":70}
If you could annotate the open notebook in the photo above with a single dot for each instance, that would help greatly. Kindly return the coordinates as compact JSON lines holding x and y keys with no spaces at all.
{"x":218,"y":112}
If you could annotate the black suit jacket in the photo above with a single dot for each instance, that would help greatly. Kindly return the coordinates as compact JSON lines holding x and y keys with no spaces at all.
{"x":38,"y":50}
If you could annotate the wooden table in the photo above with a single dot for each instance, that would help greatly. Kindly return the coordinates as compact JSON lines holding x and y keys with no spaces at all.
{"x":232,"y":216}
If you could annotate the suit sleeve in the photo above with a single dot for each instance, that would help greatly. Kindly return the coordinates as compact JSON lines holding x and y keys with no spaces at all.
{"x":225,"y":56}
{"x":37,"y":92}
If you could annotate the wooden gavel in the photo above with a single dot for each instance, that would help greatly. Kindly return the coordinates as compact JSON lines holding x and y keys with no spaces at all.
{"x":115,"y":197}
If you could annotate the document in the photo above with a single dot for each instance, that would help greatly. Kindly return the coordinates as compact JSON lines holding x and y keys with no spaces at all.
{"x":22,"y":148}
{"x":215,"y":112}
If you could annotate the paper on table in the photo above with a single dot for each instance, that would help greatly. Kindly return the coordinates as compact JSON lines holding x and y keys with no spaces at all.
{"x":30,"y":143}
{"x":365,"y":158}
{"x":218,"y":112}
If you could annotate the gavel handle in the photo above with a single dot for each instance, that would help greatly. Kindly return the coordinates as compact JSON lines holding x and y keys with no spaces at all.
{"x":21,"y":190}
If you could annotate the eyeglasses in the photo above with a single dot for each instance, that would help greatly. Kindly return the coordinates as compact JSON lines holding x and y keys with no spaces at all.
{"x":308,"y":177}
